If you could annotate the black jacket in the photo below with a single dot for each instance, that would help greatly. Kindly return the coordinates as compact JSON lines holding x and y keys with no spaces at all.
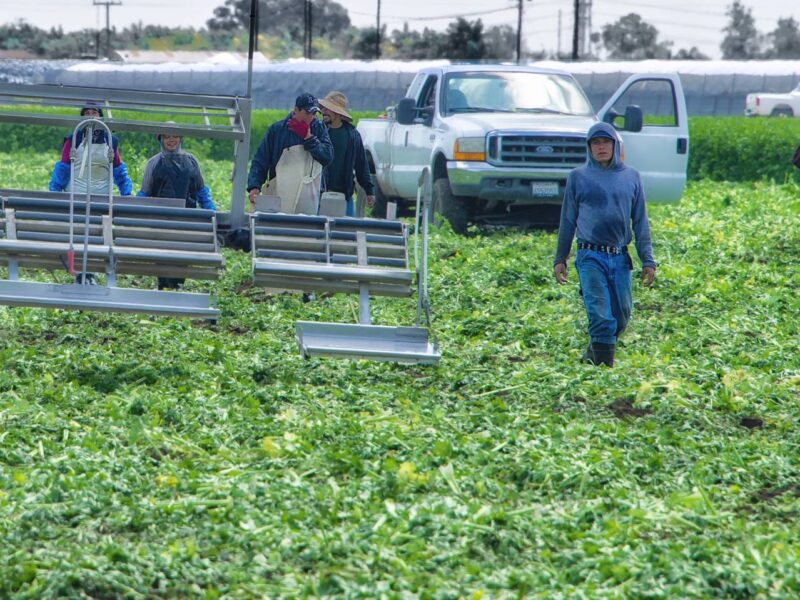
{"x":356,"y":158}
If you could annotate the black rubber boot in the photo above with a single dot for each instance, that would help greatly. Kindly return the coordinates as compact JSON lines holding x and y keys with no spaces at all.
{"x":87,"y":278}
{"x":588,"y":356}
{"x":603,"y":354}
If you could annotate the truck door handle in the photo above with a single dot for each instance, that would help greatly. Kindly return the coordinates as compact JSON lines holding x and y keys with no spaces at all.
{"x":683,"y":145}
{"x":432,"y":137}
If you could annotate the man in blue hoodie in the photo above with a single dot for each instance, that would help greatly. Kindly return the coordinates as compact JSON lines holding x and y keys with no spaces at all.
{"x":604,"y":202}
{"x":300,"y":126}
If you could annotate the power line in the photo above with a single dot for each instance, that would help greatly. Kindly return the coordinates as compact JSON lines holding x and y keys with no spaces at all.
{"x":438,"y":17}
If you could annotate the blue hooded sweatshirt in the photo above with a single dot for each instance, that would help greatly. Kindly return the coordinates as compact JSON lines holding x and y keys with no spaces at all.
{"x":605,"y":205}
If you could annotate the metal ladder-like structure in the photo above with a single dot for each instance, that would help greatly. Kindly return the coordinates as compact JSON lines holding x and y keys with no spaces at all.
{"x":192,"y":115}
{"x":379,"y":342}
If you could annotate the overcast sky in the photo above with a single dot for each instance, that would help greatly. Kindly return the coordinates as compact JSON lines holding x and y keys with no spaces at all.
{"x":685,"y":22}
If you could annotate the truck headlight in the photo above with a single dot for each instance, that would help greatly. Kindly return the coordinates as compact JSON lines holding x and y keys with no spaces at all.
{"x":469,"y":148}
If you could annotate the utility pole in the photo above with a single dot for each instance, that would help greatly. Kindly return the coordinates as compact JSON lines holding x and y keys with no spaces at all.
{"x":575,"y":30}
{"x":108,"y":4}
{"x":519,"y":29}
{"x":559,"y":34}
{"x":378,"y":33}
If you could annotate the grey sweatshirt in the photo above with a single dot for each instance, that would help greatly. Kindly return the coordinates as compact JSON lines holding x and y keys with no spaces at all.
{"x":602,"y":203}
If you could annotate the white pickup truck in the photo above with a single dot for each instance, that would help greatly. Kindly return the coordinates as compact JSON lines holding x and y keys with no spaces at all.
{"x":773,"y":105}
{"x":501,"y":140}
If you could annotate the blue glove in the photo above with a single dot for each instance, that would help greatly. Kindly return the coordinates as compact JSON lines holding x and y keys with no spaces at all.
{"x":122,"y":180}
{"x":204,"y":198}
{"x":59,"y":179}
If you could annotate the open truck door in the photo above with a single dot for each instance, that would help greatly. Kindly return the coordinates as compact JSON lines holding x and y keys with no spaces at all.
{"x":658,"y":146}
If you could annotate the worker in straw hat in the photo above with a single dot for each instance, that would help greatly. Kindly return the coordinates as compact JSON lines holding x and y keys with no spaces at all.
{"x":349,"y":162}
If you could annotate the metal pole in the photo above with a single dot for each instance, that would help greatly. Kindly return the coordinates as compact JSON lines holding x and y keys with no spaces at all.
{"x":519,"y":30}
{"x":378,"y":33}
{"x":575,"y":30}
{"x":251,"y":45}
{"x":108,"y":4}
{"x":310,"y":29}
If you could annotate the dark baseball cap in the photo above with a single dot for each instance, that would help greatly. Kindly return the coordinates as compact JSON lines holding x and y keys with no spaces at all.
{"x":307,"y":102}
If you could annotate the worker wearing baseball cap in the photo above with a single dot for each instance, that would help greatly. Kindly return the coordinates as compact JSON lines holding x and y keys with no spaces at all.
{"x":291,"y":158}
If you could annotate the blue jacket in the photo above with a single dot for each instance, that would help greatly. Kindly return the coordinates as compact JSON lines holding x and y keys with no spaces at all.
{"x":277,"y":139}
{"x":356,"y":158}
{"x":605,"y":205}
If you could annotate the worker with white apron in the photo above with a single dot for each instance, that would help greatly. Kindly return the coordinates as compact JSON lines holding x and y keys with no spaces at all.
{"x":97,"y":155}
{"x":291,"y":158}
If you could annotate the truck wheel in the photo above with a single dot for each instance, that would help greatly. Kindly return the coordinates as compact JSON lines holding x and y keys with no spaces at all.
{"x":379,"y":208}
{"x":456,"y":209}
{"x":783,"y":111}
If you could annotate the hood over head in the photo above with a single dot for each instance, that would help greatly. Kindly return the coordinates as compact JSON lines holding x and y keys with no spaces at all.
{"x":91,"y":106}
{"x":160,"y":138}
{"x":604,"y":130}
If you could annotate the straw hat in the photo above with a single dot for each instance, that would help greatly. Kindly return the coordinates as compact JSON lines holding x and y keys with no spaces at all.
{"x":336,"y":102}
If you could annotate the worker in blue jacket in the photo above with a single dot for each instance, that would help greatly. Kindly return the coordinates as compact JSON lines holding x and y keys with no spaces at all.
{"x":299,"y":128}
{"x":604,"y":202}
{"x":97,"y":155}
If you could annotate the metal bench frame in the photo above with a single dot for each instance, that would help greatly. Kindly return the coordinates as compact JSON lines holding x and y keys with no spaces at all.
{"x":203,"y":116}
{"x":306,"y":253}
{"x":44,"y":220}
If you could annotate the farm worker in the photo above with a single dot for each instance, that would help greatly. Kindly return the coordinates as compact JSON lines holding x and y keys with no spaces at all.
{"x":62,"y":171}
{"x":291,"y":158}
{"x":604,"y":200}
{"x":349,"y":157}
{"x":175,"y":173}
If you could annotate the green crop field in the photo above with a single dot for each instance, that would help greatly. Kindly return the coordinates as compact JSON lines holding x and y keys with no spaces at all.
{"x":145,"y":457}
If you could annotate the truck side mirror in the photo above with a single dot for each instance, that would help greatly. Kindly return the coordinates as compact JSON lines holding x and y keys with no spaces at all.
{"x":633,"y":118}
{"x":406,"y":111}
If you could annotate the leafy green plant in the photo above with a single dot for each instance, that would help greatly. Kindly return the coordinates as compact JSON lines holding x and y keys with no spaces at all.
{"x":152,"y":457}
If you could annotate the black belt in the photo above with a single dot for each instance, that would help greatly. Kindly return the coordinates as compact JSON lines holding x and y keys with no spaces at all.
{"x":603,"y":248}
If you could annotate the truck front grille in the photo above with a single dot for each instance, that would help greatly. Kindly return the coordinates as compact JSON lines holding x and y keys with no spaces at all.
{"x":536,"y":150}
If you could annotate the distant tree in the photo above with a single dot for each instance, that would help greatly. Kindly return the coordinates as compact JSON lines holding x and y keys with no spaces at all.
{"x":415,"y":45}
{"x":363,"y":46}
{"x":631,"y":38}
{"x":276,"y":17}
{"x":742,"y":41}
{"x":501,"y":42}
{"x":464,"y":40}
{"x":784,"y":40}
{"x":691,"y":54}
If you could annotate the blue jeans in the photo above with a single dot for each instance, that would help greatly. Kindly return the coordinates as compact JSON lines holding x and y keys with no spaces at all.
{"x":350,"y":207}
{"x":606,"y":288}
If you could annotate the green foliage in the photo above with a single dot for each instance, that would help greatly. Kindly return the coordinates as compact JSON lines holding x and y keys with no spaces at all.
{"x":135,"y":147}
{"x":743,"y":149}
{"x":150,"y":457}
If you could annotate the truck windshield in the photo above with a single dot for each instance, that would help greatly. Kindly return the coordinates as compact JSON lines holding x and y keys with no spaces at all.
{"x":513,"y":92}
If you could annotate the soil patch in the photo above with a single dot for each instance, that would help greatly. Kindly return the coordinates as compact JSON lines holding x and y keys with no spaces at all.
{"x":623,"y":408}
{"x":751,"y":422}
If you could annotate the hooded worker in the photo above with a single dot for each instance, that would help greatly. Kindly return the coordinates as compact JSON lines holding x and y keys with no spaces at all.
{"x":175,"y":173}
{"x":98,"y":154}
{"x":604,"y":202}
{"x":291,"y":157}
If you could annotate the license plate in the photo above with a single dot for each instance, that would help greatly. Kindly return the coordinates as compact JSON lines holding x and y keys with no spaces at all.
{"x":544,"y":189}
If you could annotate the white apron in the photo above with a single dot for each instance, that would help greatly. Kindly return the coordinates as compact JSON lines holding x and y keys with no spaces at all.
{"x":298,"y":180}
{"x":101,"y":167}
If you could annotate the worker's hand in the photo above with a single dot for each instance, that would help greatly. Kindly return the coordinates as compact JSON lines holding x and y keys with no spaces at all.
{"x":252,"y":194}
{"x":560,"y":271}
{"x":370,"y":201}
{"x":298,"y":127}
{"x":648,"y":276}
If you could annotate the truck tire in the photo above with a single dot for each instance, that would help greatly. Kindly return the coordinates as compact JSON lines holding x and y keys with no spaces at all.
{"x":782,"y":111}
{"x":379,"y":208}
{"x":456,"y":209}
